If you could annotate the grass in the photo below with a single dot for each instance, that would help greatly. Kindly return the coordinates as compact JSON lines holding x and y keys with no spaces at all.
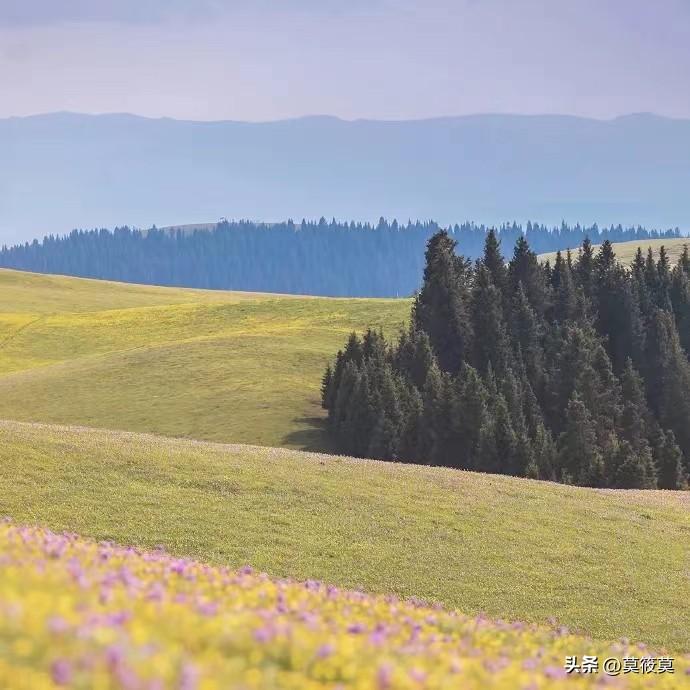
{"x":625,"y":251}
{"x":210,"y":365}
{"x":95,"y":615}
{"x":606,"y":563}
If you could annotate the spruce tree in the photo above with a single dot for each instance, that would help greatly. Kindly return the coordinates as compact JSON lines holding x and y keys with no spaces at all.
{"x":440,"y":309}
{"x":669,"y":460}
{"x":490,"y":335}
{"x":527,"y":331}
{"x":494,"y":262}
{"x":468,"y":416}
{"x":668,"y":379}
{"x":632,"y":469}
{"x":584,"y":268}
{"x":680,"y":299}
{"x":326,"y":382}
{"x":579,"y":458}
{"x":565,"y":299}
{"x":524,"y":269}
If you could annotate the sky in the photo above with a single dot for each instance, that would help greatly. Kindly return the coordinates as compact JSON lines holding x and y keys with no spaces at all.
{"x":380,"y":59}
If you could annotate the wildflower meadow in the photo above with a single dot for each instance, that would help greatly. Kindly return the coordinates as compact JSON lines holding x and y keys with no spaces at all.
{"x":75,"y":613}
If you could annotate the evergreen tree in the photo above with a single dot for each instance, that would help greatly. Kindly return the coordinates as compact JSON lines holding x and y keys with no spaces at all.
{"x":679,"y":293}
{"x":326,"y":382}
{"x":468,"y":416}
{"x":524,"y":269}
{"x":494,"y":262}
{"x":668,"y":379}
{"x":490,"y":336}
{"x":579,"y":457}
{"x":632,"y":469}
{"x":411,"y":438}
{"x":584,"y":269}
{"x":497,"y":441}
{"x":440,"y":309}
{"x":527,"y":332}
{"x":414,"y":357}
{"x":634,"y":417}
{"x":565,"y":299}
{"x":669,"y":460}
{"x":593,"y":390}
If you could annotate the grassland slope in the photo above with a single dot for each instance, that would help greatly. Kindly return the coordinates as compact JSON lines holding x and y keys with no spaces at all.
{"x":221,"y":366}
{"x":625,"y":251}
{"x":607,"y":563}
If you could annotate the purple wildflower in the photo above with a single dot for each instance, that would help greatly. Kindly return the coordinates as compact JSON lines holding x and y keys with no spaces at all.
{"x":61,"y":672}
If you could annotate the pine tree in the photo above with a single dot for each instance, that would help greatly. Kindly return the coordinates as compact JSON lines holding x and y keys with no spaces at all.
{"x":388,"y":427}
{"x":411,"y":437}
{"x":436,"y":419}
{"x":468,"y":416}
{"x":668,"y":379}
{"x":414,"y":356}
{"x":632,"y":469}
{"x":584,"y":269}
{"x":684,"y":261}
{"x":524,"y":269}
{"x":578,"y":392}
{"x":343,"y":409}
{"x":663,"y":269}
{"x":326,"y":382}
{"x":565,"y":299}
{"x":669,"y":460}
{"x":490,"y":336}
{"x":526,"y":331}
{"x":679,"y":293}
{"x":362,"y":413}
{"x":494,"y":262}
{"x":544,"y":456}
{"x":440,"y":309}
{"x":353,"y":350}
{"x":633,"y":422}
{"x":579,"y":458}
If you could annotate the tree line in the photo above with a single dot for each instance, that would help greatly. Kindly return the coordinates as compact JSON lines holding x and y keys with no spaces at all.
{"x":574,"y":372}
{"x":316,"y":258}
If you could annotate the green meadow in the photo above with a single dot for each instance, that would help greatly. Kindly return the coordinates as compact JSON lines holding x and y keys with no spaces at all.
{"x":608,"y":563}
{"x":209,"y":365}
{"x":91,"y":370}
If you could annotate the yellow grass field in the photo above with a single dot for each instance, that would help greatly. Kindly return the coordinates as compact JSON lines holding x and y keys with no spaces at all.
{"x":210,"y":365}
{"x":625,"y":251}
{"x":97,"y":615}
{"x":610,"y":564}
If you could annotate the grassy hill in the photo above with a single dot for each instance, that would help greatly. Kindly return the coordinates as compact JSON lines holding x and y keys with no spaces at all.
{"x":608,"y":563}
{"x":209,"y":365}
{"x":625,"y":251}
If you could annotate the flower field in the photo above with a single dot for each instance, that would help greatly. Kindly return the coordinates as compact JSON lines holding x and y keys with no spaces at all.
{"x":80,"y":614}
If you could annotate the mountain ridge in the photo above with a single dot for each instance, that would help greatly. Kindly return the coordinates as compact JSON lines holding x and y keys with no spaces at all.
{"x":65,"y":171}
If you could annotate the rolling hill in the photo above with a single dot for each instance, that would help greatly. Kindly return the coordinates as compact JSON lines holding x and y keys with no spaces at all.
{"x":209,"y":365}
{"x":488,"y":168}
{"x":625,"y":251}
{"x":607,"y":563}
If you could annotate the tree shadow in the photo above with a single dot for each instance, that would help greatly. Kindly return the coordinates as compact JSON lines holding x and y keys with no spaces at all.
{"x":312,"y":436}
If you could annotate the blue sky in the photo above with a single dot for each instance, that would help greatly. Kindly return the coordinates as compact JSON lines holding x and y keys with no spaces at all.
{"x":383,"y":59}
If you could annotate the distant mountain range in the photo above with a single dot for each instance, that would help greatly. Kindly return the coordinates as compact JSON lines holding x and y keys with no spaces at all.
{"x":62,"y":171}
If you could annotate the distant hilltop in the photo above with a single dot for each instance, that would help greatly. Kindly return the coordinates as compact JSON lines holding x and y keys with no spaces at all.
{"x":64,"y":170}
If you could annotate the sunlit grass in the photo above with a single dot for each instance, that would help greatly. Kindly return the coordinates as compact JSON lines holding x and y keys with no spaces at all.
{"x":625,"y":251}
{"x":606,"y":563}
{"x":211,"y":365}
{"x":76,"y":613}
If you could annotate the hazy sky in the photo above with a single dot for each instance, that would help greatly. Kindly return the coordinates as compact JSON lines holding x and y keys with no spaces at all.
{"x":390,"y":59}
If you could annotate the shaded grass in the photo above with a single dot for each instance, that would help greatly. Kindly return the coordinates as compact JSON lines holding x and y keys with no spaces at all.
{"x":607,"y":563}
{"x":211,"y":365}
